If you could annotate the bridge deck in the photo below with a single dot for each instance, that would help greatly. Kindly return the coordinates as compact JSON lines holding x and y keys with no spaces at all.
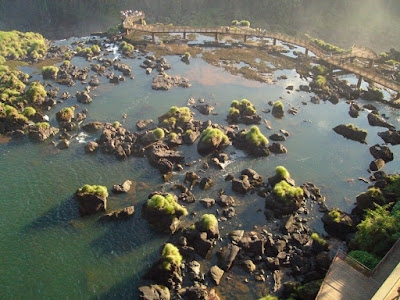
{"x":336,"y":60}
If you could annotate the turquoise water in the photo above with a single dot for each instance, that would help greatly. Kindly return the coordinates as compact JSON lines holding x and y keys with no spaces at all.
{"x":48,"y":251}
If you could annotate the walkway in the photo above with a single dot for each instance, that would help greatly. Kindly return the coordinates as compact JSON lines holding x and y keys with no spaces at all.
{"x":336,"y":60}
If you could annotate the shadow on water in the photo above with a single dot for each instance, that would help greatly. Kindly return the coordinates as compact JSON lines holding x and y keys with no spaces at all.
{"x":62,"y":214}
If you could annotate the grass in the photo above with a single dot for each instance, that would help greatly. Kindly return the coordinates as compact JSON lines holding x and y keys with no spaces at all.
{"x":327,"y":47}
{"x":269,"y":297}
{"x":315,"y":237}
{"x":167,"y":204}
{"x":215,"y":135}
{"x":285,"y":191}
{"x":255,"y":137}
{"x":171,"y":256}
{"x":97,"y":190}
{"x":282,"y":172}
{"x":209,"y":221}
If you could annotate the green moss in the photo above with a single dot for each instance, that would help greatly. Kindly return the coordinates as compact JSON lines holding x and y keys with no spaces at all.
{"x":328,"y":47}
{"x":255,"y":137}
{"x":159,"y":133}
{"x":29,"y":112}
{"x":315,"y":237}
{"x":98,"y":190}
{"x":320,"y":81}
{"x":78,"y":49}
{"x":355,"y":128}
{"x":167,"y":204}
{"x":285,"y":191}
{"x":116,"y":124}
{"x":282,"y":172}
{"x":170,"y":256}
{"x":234,"y":111}
{"x":174,"y":115}
{"x":113,"y":30}
{"x":42,"y":125}
{"x":187,"y":55}
{"x":235,"y":22}
{"x":36,"y":92}
{"x":214,"y":134}
{"x":49,"y":72}
{"x":18,"y":45}
{"x":172,"y":136}
{"x":279,"y":104}
{"x":367,"y":259}
{"x":126,"y":47}
{"x":319,"y":70}
{"x":95,"y":49}
{"x":335,"y":215}
{"x":66,"y":114}
{"x":235,"y":104}
{"x":209,"y":221}
{"x":245,"y":23}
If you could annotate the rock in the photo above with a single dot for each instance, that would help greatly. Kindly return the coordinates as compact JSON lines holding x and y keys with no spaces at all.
{"x":354,"y":110}
{"x":277,"y":137}
{"x":226,"y":256}
{"x":334,"y":99}
{"x":93,"y":126}
{"x":207,"y":202}
{"x":94,"y":81}
{"x":224,"y":200}
{"x":278,"y":111}
{"x":351,"y":132}
{"x":229,"y":212}
{"x":216,"y":274}
{"x":192,"y":178}
{"x":253,"y":242}
{"x":290,"y":87}
{"x":375,"y":120}
{"x":315,"y":100}
{"x":391,"y":137}
{"x":166,"y":82}
{"x":91,"y":147}
{"x":194,"y":271}
{"x":249,"y":266}
{"x":229,"y":177}
{"x":277,"y":148}
{"x":323,"y":260}
{"x":309,"y":290}
{"x":64,"y":144}
{"x":241,"y":186}
{"x":190,"y":137}
{"x":236,"y":236}
{"x":125,"y":69}
{"x":40,"y":134}
{"x":377,"y":164}
{"x":204,"y":109}
{"x":206,"y":183}
{"x":338,"y":226}
{"x":382,"y":152}
{"x":272,"y":263}
{"x":145,"y":125}
{"x":90,"y":203}
{"x":120,"y":214}
{"x":154,"y":292}
{"x":202,"y":244}
{"x":123,"y":187}
{"x":83,"y":97}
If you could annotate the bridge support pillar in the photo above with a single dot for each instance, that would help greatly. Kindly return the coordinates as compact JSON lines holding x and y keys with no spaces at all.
{"x":245,"y":38}
{"x":184,"y":35}
{"x":359,"y":82}
{"x":306,"y":52}
{"x":371,"y":63}
{"x":274,"y":43}
{"x":153,"y":36}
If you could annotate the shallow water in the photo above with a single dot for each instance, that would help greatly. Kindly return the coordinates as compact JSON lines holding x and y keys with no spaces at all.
{"x":48,"y":251}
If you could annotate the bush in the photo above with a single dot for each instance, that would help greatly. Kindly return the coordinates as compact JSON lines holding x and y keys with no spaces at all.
{"x":234,"y":112}
{"x":113,"y":30}
{"x":116,"y":124}
{"x":367,"y":259}
{"x":36,"y":92}
{"x":328,"y":47}
{"x":98,"y":190}
{"x":320,"y":81}
{"x":49,"y":72}
{"x":245,"y":23}
{"x":392,"y":190}
{"x":255,"y":137}
{"x":167,"y":204}
{"x":213,"y":134}
{"x":282,"y":172}
{"x":171,"y":256}
{"x":66,"y":114}
{"x":187,"y":55}
{"x":16,"y":45}
{"x":335,"y":215}
{"x":159,"y":133}
{"x":244,"y":107}
{"x":126,"y":47}
{"x":42,"y":125}
{"x":315,"y":237}
{"x":378,"y":231}
{"x":208,"y":221}
{"x":78,"y":49}
{"x":175,"y":114}
{"x":285,"y":191}
{"x":29,"y":112}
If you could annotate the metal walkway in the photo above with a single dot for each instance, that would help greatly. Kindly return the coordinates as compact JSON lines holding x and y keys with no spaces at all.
{"x":336,"y":60}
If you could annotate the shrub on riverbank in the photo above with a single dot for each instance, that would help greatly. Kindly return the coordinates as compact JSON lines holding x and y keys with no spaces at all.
{"x":284,"y":191}
{"x":49,"y":72}
{"x":19,"y":45}
{"x":367,"y":259}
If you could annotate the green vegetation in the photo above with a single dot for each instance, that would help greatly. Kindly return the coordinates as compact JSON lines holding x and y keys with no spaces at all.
{"x":379,"y":230}
{"x":327,"y":47}
{"x":375,"y":93}
{"x":19,"y":45}
{"x":158,"y":133}
{"x":279,"y":104}
{"x":172,"y":136}
{"x":36,"y":92}
{"x":174,"y":115}
{"x":269,"y":297}
{"x":29,"y":112}
{"x":244,"y":107}
{"x":12,"y":86}
{"x":95,"y":49}
{"x":78,"y":49}
{"x":49,"y":72}
{"x":111,"y":31}
{"x":392,"y":190}
{"x":235,"y":22}
{"x":66,"y":114}
{"x":42,"y":125}
{"x":234,"y":112}
{"x":170,"y":256}
{"x":245,"y":23}
{"x":321,"y":82}
{"x":214,"y":134}
{"x":116,"y":124}
{"x":319,"y":70}
{"x":285,"y":191}
{"x":315,"y":237}
{"x":282,"y":172}
{"x":209,"y":221}
{"x":126,"y":48}
{"x":187,"y":55}
{"x":97,"y":190}
{"x":255,"y":137}
{"x":367,"y":259}
{"x":167,"y":204}
{"x":335,"y":215}
{"x":355,"y":128}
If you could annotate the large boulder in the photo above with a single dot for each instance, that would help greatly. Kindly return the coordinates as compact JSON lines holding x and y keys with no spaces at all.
{"x":123,"y":187}
{"x":338,"y":224}
{"x":41,"y":132}
{"x":91,"y":199}
{"x":216,"y":274}
{"x":391,"y":137}
{"x":120,"y":214}
{"x":383,"y":152}
{"x":351,"y":132}
{"x":154,"y":292}
{"x":212,"y":140}
{"x":375,"y":120}
{"x":83,"y":97}
{"x":93,"y":126}
{"x":226,"y":256}
{"x":253,"y":142}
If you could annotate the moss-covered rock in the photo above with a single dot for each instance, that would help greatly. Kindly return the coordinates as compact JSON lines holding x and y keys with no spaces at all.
{"x":50,"y":72}
{"x":337,"y":223}
{"x":176,"y":116}
{"x":243,"y":112}
{"x":253,"y":142}
{"x":92,"y":199}
{"x":212,"y":140}
{"x":36,"y":93}
{"x":278,"y":109}
{"x":152,"y":136}
{"x":351,"y":132}
{"x":66,"y":114}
